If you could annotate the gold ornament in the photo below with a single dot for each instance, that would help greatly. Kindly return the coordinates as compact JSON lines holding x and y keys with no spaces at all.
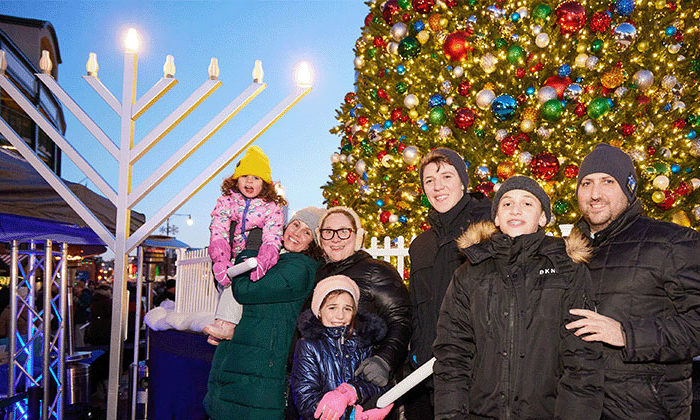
{"x":643,"y":46}
{"x":423,"y":36}
{"x":434,"y":22}
{"x":680,"y":218}
{"x":613,"y":78}
{"x":529,"y":113}
{"x":505,"y":170}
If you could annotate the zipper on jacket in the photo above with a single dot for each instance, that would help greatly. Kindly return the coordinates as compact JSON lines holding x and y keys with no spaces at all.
{"x":489,"y":303}
{"x":243,"y":218}
{"x":511,"y":345}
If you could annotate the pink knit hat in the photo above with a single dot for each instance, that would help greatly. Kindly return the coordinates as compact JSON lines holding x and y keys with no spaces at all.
{"x":329,"y":284}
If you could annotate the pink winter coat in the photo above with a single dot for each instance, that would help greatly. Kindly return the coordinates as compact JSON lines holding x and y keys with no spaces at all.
{"x":247,"y":213}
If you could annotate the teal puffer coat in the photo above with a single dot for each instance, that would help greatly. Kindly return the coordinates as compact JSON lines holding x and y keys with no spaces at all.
{"x":248,"y":373}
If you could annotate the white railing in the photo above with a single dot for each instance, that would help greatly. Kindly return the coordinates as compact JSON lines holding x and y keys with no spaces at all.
{"x":195,"y":290}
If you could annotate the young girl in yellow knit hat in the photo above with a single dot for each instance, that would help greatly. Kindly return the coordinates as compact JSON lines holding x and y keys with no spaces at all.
{"x":248,"y":201}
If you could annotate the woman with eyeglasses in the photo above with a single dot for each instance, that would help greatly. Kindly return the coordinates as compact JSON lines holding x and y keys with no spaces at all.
{"x":381,"y":290}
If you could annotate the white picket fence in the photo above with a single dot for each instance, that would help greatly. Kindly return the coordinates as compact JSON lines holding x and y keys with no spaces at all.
{"x":195,"y":290}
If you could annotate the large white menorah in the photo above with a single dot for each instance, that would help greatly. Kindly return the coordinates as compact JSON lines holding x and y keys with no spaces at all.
{"x":125,"y":198}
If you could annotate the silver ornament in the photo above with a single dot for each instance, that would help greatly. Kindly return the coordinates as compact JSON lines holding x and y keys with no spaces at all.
{"x":536,"y":29}
{"x":589,"y":128}
{"x":410,"y":155}
{"x":644,"y":79}
{"x":458,"y":71}
{"x":668,"y":82}
{"x":398,"y":31}
{"x":695,"y":183}
{"x":572,"y":92}
{"x":350,"y":159}
{"x":410,"y":101}
{"x":546,"y":93}
{"x":696,"y":212}
{"x":591,"y":62}
{"x":501,"y":134}
{"x":624,"y":34}
{"x":444,"y":132}
{"x":522,"y":11}
{"x":695,"y":148}
{"x":359,"y":62}
{"x":482,"y":172}
{"x":542,"y":39}
{"x":495,"y":13}
{"x":544,"y":132}
{"x":393,"y":48}
{"x":484,"y":98}
{"x":449,"y":100}
{"x":343,"y":157}
{"x":637,"y":155}
{"x":525,"y":158}
{"x":335,"y":158}
{"x":674,"y":48}
{"x":446,"y":87}
{"x":488,"y":62}
{"x":678,"y":105}
{"x":393,"y":218}
{"x":620,"y":92}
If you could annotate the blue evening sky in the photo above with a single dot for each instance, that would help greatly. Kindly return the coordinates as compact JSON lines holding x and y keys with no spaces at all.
{"x":237,"y":32}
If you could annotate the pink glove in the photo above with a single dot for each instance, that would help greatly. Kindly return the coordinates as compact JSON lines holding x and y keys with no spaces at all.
{"x":268,"y":255}
{"x":334,"y":403}
{"x":373,"y":414}
{"x":220,"y":254}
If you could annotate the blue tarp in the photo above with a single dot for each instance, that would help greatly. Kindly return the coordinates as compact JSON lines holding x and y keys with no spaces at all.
{"x":24,"y":229}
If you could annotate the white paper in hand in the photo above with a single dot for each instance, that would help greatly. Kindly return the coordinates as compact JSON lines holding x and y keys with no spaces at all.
{"x":242,"y":267}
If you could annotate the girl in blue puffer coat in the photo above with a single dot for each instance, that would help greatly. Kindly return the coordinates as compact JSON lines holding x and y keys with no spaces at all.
{"x":334,"y":342}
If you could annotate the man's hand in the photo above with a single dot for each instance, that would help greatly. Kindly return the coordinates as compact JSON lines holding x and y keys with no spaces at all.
{"x":597,"y":327}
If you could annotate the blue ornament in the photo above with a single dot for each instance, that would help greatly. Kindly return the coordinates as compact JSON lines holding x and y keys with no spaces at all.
{"x":494,"y":180}
{"x":424,"y":127}
{"x":515,"y":17}
{"x":364,"y":189}
{"x":388,"y":124}
{"x":691,"y":134}
{"x":436,"y":100}
{"x":504,"y":107}
{"x":482,"y":171}
{"x":610,"y":103}
{"x":386,"y":71}
{"x":530,"y":90}
{"x":667,"y":107}
{"x":449,"y":68}
{"x":471,"y":20}
{"x":675,"y":168}
{"x":670,"y":31}
{"x":352,"y":111}
{"x":467,"y":163}
{"x":402,"y":138}
{"x":376,"y":127}
{"x":400,"y":69}
{"x":380,"y":203}
{"x":688,"y":170}
{"x":418,"y":26}
{"x":564,"y":70}
{"x":364,"y":176}
{"x":624,"y":7}
{"x":403,"y":219}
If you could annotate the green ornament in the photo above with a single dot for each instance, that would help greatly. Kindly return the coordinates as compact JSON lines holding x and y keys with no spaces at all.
{"x":409,"y":47}
{"x":434,"y":56}
{"x":375,"y":19}
{"x":598,"y":107}
{"x":373,"y":94}
{"x":661,"y":168}
{"x":560,"y":207}
{"x":471,"y":2}
{"x":541,"y":12}
{"x":401,"y":88}
{"x":696,"y":65}
{"x":596,"y":46}
{"x":552,"y":110}
{"x":500,"y":43}
{"x":371,"y":52}
{"x":424,"y":201}
{"x":479,"y":133}
{"x":437,"y":116}
{"x":386,"y":178}
{"x":650,"y":171}
{"x":346,"y":149}
{"x":515,"y":54}
{"x":404,"y":3}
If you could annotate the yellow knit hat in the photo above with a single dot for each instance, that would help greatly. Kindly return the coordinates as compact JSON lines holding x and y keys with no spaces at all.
{"x":254,"y":162}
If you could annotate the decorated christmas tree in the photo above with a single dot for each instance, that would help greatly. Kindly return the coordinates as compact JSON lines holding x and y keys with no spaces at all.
{"x":520,"y":87}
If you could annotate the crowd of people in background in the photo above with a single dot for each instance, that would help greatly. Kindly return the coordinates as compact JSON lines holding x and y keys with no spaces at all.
{"x":521,"y":324}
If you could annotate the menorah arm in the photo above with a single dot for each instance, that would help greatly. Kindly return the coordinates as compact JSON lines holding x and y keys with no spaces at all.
{"x":104,"y":93}
{"x":152,"y":96}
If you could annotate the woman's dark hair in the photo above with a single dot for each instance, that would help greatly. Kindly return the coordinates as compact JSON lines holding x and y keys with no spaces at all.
{"x":267,"y":193}
{"x":313,"y":251}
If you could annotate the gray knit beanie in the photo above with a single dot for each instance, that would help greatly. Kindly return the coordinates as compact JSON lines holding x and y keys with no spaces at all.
{"x":311,"y":217}
{"x":614,"y":162}
{"x":522,"y":183}
{"x":456,"y":161}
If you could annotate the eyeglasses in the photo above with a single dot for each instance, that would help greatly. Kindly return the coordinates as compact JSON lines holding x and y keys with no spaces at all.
{"x":343,"y":233}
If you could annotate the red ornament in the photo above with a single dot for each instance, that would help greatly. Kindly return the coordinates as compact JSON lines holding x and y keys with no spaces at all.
{"x":410,"y":168}
{"x":571,"y":16}
{"x":368,"y":19}
{"x":423,"y":6}
{"x":682,"y":189}
{"x":335,"y":202}
{"x":571,"y":171}
{"x":642,"y":100}
{"x":600,"y":22}
{"x":384,"y":216}
{"x":558,"y":83}
{"x":671,"y":5}
{"x":509,"y":145}
{"x":391,"y":8}
{"x":395,"y":114}
{"x":627,"y":129}
{"x":520,"y":72}
{"x":348,"y":129}
{"x":580,"y":110}
{"x":544,"y":165}
{"x":679,"y":123}
{"x":464,"y":88}
{"x":379,"y":42}
{"x":464,"y":118}
{"x":424,"y":226}
{"x":521,"y":98}
{"x":350,"y":97}
{"x":406,"y":17}
{"x":668,"y":201}
{"x":455,"y":46}
{"x":406,"y":273}
{"x":678,"y":36}
{"x":450,"y":3}
{"x":651,"y":150}
{"x":351,"y":177}
{"x":382,"y":94}
{"x":381,"y":155}
{"x":400,"y":147}
{"x":390,"y":143}
{"x":363,"y":120}
{"x":485,"y":187}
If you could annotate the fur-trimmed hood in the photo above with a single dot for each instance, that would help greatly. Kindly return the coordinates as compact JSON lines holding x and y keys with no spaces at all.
{"x":369,"y":328}
{"x":578,"y":247}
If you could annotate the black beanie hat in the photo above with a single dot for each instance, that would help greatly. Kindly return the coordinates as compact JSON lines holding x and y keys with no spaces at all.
{"x":456,"y":161}
{"x":522,"y":183}
{"x":614,"y":162}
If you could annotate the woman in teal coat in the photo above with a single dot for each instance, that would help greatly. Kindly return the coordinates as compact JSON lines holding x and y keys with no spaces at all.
{"x":248,"y":377}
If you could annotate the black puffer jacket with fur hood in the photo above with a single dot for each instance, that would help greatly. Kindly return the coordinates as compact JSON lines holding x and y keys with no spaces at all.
{"x":502,"y":348}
